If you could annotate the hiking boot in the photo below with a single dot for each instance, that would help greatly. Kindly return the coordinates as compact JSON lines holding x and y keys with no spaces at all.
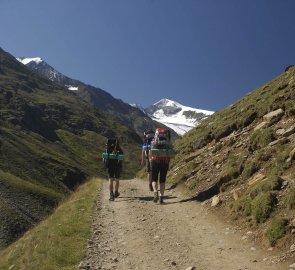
{"x":151,"y":187}
{"x":117,"y":194}
{"x":112,"y":196}
{"x":156,"y":197}
{"x":161,"y":200}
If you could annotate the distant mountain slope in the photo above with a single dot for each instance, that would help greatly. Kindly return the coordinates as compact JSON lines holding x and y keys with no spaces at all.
{"x":124,"y":113}
{"x":38,"y":64}
{"x":241,"y":160}
{"x":50,"y":142}
{"x":176,"y":116}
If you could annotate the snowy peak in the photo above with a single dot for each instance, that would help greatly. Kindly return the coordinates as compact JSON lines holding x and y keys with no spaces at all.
{"x":36,"y":63}
{"x":176,"y":116}
{"x":26,"y":61}
{"x":166,"y":102}
{"x":168,"y":105}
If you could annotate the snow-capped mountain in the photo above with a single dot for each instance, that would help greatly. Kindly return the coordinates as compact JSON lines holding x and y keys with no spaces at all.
{"x":176,"y":116}
{"x":48,"y":71}
{"x":132,"y":116}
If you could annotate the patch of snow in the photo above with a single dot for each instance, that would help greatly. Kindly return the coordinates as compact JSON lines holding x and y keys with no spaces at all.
{"x":26,"y":61}
{"x":73,"y":88}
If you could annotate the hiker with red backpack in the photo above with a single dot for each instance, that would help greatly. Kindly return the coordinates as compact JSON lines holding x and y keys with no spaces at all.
{"x":112,"y":158}
{"x":148,"y":136}
{"x":160,"y":154}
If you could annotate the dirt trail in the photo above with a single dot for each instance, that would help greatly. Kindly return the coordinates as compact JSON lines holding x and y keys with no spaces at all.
{"x":135,"y":233}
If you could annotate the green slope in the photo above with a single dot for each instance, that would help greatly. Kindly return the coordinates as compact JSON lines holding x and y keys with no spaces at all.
{"x":50,"y":142}
{"x":246,"y":158}
{"x":58,"y":242}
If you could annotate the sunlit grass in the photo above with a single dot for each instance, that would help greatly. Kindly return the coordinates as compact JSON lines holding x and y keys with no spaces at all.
{"x":59,"y":242}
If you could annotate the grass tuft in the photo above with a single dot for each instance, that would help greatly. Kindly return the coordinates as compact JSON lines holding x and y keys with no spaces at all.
{"x":261,"y":207}
{"x":277,"y":229}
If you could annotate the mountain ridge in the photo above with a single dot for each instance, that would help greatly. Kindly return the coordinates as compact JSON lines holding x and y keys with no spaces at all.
{"x":101,"y":99}
{"x":181,"y":121}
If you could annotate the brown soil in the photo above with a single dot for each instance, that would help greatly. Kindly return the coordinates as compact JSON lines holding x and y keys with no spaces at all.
{"x":135,"y":233}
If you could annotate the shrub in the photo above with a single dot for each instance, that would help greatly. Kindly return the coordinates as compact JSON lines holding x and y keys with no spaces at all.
{"x":261,"y":207}
{"x":279,"y":164}
{"x":270,"y":184}
{"x":277,"y":229}
{"x":261,"y":138}
{"x":234,"y":166}
{"x":243,"y":205}
{"x":264,"y":154}
{"x":250,"y":169}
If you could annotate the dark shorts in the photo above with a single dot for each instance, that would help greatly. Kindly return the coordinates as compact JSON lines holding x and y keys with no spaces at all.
{"x":159,"y":168}
{"x":147,"y":165}
{"x":114,"y":169}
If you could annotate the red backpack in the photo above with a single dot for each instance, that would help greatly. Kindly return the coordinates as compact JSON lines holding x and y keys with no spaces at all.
{"x":162,"y":137}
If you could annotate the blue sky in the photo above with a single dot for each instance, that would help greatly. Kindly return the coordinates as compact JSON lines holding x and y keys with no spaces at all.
{"x":202,"y":53}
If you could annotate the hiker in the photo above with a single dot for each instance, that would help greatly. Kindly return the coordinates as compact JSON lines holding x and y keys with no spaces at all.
{"x":114,"y":165}
{"x":160,"y":154}
{"x":148,"y":136}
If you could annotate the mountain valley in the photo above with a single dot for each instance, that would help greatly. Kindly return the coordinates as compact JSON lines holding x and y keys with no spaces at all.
{"x":236,"y":163}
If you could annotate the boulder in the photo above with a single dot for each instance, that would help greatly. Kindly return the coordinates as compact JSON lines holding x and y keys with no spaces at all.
{"x":274,"y":115}
{"x":256,"y":178}
{"x":236,"y":194}
{"x":261,"y":125}
{"x":215,"y":201}
{"x":280,"y":131}
{"x":289,"y":131}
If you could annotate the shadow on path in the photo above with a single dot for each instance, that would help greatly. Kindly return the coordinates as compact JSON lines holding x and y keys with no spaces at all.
{"x":150,"y":198}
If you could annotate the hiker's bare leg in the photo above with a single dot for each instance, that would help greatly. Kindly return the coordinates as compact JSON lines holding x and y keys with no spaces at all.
{"x":111,"y":188}
{"x":155,"y":186}
{"x":117,"y":184}
{"x":111,"y":185}
{"x":162,"y":189}
{"x":155,"y":189}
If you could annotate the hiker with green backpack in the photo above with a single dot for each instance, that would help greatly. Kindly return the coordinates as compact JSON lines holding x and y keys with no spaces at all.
{"x":159,"y":155}
{"x":148,"y":136}
{"x":113,"y":158}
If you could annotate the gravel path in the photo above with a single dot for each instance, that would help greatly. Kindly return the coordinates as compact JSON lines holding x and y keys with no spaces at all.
{"x":135,"y":233}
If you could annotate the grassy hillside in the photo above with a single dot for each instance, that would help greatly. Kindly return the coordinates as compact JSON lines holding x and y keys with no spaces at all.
{"x":50,"y":142}
{"x":245,"y":157}
{"x":60,"y":241}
